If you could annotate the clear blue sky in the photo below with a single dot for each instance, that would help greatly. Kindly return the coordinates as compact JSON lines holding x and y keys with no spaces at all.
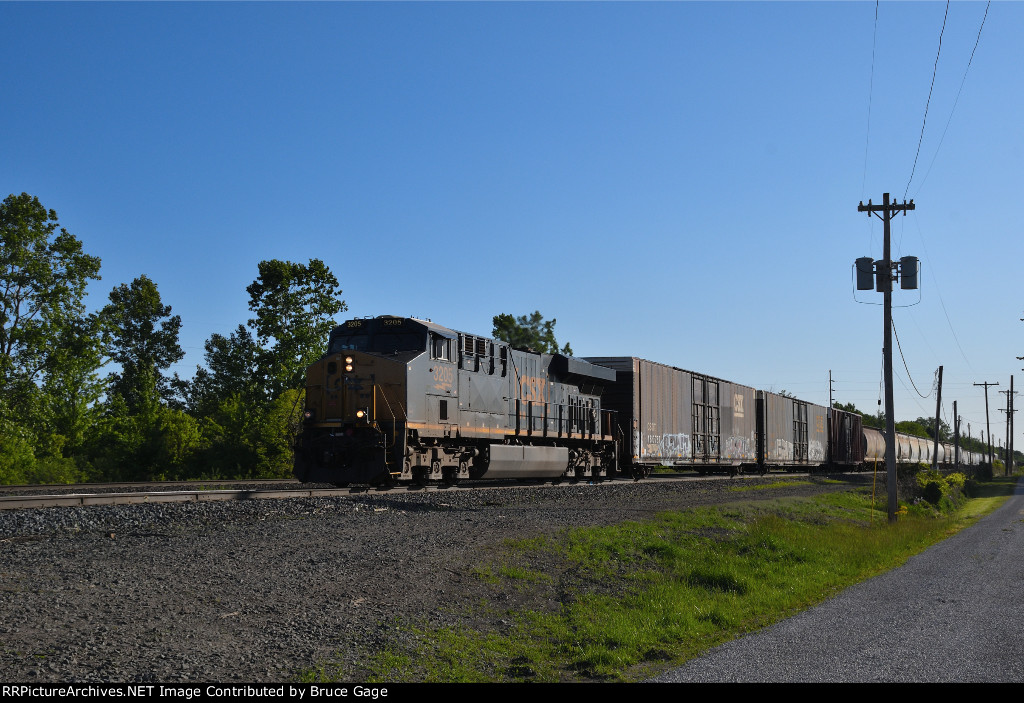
{"x":676,"y":181}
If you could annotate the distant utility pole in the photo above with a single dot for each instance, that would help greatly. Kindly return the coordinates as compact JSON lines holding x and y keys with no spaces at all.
{"x":882,"y":272}
{"x":831,"y":403}
{"x":1008,"y":468}
{"x":988,"y":427}
{"x":938,"y":410}
{"x":956,"y":439}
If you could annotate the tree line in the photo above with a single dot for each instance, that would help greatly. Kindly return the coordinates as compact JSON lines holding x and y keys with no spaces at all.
{"x":88,"y":396}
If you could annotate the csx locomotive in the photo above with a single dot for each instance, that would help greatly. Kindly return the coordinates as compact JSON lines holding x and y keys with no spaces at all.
{"x":402,"y":399}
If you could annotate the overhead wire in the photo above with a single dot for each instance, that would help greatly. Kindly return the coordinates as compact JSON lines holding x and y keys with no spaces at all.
{"x":957,"y":100}
{"x":928,"y":103}
{"x":867,"y":135}
{"x":941,"y":301}
{"x":905,"y":363}
{"x":871,"y":91}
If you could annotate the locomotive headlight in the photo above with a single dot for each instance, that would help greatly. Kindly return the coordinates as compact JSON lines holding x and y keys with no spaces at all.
{"x":349,"y":359}
{"x":348,"y":367}
{"x":360,"y":413}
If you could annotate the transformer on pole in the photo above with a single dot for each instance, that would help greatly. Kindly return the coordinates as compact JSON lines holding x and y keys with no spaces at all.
{"x":883,"y":274}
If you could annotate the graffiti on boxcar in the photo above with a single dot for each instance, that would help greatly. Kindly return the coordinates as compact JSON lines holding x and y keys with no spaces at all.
{"x":815,"y":450}
{"x":668,"y":445}
{"x":783,"y":449}
{"x":738,"y":447}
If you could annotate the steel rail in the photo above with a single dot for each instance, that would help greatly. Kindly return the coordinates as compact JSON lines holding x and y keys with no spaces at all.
{"x":16,"y":502}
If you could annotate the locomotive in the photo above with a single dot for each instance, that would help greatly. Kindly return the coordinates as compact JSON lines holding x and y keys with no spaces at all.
{"x":402,"y":399}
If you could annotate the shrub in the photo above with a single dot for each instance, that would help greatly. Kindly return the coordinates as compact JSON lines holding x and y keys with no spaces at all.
{"x":956,"y":480}
{"x":933,"y":492}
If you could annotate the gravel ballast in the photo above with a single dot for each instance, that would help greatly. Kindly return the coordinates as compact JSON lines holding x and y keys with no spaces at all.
{"x":257,"y":591}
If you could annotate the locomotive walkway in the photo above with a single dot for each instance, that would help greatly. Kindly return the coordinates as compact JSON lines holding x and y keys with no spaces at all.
{"x":953,"y":613}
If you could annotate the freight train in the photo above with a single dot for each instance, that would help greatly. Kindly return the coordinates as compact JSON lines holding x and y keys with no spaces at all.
{"x":402,"y":399}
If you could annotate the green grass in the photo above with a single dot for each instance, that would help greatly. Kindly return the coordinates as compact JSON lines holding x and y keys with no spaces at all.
{"x":623,"y":602}
{"x":769,"y":486}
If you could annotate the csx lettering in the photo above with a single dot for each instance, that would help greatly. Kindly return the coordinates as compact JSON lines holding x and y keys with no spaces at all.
{"x":532,"y":388}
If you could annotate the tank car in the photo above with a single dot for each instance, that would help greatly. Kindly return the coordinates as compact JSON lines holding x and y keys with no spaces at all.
{"x":403,"y":399}
{"x":914,"y":450}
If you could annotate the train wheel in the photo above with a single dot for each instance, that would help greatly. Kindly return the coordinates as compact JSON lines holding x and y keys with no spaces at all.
{"x":419,"y":476}
{"x":450,"y":476}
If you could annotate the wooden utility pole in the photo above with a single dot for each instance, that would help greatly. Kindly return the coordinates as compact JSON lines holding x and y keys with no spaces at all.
{"x":884,"y":278}
{"x":938,"y":410}
{"x":956,"y":438}
{"x":1008,"y":456}
{"x":1009,"y":464}
{"x":988,"y":427}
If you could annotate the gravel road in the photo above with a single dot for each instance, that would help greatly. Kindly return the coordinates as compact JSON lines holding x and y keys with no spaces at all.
{"x":256,"y":591}
{"x":950,"y":614}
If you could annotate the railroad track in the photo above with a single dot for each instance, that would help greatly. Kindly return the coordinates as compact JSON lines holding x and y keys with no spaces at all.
{"x":30,"y":497}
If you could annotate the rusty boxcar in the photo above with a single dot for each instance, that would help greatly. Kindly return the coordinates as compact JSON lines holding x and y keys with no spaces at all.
{"x":673,"y":417}
{"x":791,"y":432}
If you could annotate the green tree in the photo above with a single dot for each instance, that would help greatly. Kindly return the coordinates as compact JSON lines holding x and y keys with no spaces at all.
{"x":43,"y":276}
{"x":531,"y":332}
{"x":232,"y":369}
{"x":912,"y":427}
{"x":143,"y":339}
{"x":928,"y":423}
{"x":294,"y":307}
{"x":72,"y":386}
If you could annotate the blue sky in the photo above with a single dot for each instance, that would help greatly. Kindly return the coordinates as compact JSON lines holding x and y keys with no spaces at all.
{"x":676,"y":181}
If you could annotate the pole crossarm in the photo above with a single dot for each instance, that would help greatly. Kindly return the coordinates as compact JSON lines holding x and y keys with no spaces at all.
{"x":885,"y":208}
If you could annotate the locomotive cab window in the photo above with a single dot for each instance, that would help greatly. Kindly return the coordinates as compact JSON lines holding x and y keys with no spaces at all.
{"x":440,"y":347}
{"x":385,"y":341}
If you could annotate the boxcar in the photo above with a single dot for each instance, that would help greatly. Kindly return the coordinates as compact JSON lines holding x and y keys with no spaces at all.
{"x":794,"y":431}
{"x":672,"y":417}
{"x":845,"y":442}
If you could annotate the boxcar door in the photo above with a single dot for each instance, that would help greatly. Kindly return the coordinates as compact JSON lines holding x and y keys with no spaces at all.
{"x":707,"y":426}
{"x":799,"y":432}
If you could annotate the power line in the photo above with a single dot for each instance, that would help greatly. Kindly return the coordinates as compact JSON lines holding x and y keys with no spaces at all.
{"x":905,"y":364}
{"x":871,"y":90}
{"x":928,"y":103}
{"x":962,"y":81}
{"x":941,"y":301}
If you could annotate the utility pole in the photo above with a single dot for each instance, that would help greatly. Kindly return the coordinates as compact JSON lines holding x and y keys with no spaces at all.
{"x":1008,"y":457}
{"x":938,"y":410}
{"x":956,"y":438}
{"x":883,"y":283}
{"x":831,"y":403}
{"x":988,"y":427}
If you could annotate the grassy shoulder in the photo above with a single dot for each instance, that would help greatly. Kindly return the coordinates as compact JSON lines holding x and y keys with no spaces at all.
{"x":621,"y":603}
